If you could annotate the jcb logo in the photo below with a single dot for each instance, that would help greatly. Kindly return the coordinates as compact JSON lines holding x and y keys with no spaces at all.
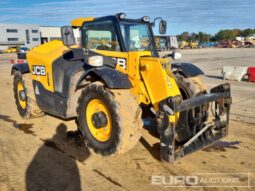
{"x":121,"y":62}
{"x":38,"y":70}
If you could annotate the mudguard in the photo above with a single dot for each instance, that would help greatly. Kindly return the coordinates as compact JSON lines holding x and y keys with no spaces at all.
{"x":112,"y":78}
{"x":22,"y":68}
{"x":186,"y":69}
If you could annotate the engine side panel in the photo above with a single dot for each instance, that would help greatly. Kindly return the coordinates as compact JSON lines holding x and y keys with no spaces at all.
{"x":49,"y":102}
{"x":40,"y":60}
{"x":55,"y":104}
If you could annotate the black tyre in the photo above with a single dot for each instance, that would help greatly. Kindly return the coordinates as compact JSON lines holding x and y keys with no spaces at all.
{"x":24,"y":96}
{"x":110,"y":120}
{"x":189,"y":87}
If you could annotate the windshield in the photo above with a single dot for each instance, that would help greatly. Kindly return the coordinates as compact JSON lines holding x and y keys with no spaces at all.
{"x":137,"y":36}
{"x":102,"y":35}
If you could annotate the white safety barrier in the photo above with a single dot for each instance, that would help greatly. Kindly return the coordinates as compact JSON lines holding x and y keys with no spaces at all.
{"x":234,"y":72}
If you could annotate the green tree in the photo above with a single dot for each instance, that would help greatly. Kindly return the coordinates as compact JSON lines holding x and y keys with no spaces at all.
{"x":184,"y":36}
{"x":225,"y":35}
{"x":193,"y":37}
{"x":247,"y":32}
{"x":237,"y":32}
{"x":203,"y":37}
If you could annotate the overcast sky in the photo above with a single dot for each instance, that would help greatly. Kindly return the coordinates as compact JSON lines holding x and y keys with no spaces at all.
{"x":181,"y":15}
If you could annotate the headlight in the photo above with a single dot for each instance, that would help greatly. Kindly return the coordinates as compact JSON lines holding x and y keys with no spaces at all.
{"x":146,"y":19}
{"x":96,"y":61}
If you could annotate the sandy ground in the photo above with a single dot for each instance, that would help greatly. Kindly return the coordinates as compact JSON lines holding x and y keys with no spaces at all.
{"x":43,"y":152}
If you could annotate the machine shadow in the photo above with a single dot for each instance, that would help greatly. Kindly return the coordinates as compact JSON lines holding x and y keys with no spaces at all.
{"x":244,"y":78}
{"x":215,"y":77}
{"x":153,"y":150}
{"x":54,"y":166}
{"x":151,"y":127}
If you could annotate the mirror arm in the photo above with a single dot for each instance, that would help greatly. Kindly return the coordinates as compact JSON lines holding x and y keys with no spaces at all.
{"x":154,"y":21}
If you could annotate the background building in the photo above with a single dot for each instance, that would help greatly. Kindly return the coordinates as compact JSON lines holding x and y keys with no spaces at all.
{"x":12,"y":35}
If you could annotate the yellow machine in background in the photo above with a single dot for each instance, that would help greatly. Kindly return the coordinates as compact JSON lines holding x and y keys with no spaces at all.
{"x":11,"y":50}
{"x":114,"y":82}
{"x":185,"y":44}
{"x":193,"y":45}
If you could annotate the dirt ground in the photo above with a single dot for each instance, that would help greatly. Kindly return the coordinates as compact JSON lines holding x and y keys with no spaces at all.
{"x":44,"y":154}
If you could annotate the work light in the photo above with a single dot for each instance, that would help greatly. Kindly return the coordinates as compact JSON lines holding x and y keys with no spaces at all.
{"x":146,"y":19}
{"x":121,"y":15}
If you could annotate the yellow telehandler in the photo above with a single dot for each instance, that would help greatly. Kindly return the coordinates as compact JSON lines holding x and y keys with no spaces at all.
{"x":114,"y":81}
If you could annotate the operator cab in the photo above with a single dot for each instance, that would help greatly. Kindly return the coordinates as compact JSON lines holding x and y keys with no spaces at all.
{"x":116,"y":33}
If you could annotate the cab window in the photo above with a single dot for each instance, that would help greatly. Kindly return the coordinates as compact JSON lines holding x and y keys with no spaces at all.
{"x":100,"y":35}
{"x":136,"y":36}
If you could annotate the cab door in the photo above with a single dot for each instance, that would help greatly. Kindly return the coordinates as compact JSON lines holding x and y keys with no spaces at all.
{"x":100,"y":36}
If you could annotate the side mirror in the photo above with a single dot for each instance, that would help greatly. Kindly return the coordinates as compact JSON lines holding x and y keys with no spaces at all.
{"x":67,"y":36}
{"x":162,"y":27}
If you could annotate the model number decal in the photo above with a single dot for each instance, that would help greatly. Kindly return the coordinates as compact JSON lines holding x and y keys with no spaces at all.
{"x":121,"y":62}
{"x":38,"y":70}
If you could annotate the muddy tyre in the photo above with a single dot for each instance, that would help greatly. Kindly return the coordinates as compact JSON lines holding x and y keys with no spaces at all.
{"x":189,"y":87}
{"x":24,"y":96}
{"x":110,"y":120}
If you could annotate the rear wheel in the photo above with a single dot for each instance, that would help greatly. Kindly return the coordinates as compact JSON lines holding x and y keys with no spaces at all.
{"x":24,"y":96}
{"x":189,"y":87}
{"x":110,"y":120}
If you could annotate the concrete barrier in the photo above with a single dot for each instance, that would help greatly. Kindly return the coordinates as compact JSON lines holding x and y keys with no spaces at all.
{"x":234,"y":72}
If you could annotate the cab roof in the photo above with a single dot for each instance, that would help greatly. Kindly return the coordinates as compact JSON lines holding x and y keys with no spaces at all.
{"x":78,"y":22}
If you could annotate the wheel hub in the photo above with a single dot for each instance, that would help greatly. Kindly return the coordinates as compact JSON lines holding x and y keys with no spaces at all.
{"x":22,"y":95}
{"x":99,"y":119}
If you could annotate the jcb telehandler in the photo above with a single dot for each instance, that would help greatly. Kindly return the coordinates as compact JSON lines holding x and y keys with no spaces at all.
{"x":114,"y":80}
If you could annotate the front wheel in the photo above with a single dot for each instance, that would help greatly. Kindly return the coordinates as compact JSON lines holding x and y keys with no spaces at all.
{"x":110,"y":120}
